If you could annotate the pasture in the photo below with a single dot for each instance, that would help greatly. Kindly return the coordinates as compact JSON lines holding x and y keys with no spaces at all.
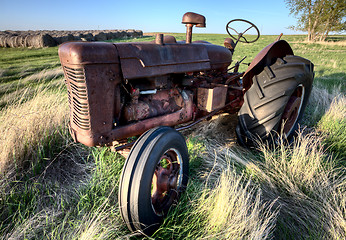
{"x":53,"y":188}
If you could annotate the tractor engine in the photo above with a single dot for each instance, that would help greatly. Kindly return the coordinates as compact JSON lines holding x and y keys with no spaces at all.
{"x":120,"y":90}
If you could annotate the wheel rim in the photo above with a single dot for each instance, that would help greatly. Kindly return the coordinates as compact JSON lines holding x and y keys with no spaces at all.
{"x":166,"y":181}
{"x":292,"y":110}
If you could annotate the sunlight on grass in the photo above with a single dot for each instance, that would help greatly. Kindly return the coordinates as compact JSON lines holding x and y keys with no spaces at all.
{"x":234,"y":209}
{"x":333,"y":124}
{"x":68,"y":191}
{"x":24,"y":127}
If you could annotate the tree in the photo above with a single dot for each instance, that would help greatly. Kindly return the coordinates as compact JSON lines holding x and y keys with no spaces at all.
{"x":318,"y":17}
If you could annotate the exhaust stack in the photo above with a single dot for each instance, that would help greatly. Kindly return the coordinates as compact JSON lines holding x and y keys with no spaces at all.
{"x":191,"y":19}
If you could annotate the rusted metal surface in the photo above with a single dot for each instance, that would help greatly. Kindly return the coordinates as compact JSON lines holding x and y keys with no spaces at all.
{"x":220,"y":58}
{"x":266,"y":57}
{"x":152,"y":105}
{"x":188,"y":33}
{"x":292,"y":110}
{"x":229,"y":43}
{"x":165,"y":182}
{"x":92,"y":76}
{"x":167,"y":39}
{"x":121,"y":90}
{"x":230,"y":107}
{"x":194,"y":19}
{"x":159,"y":39}
{"x":81,"y":53}
{"x":94,"y":85}
{"x":143,"y":60}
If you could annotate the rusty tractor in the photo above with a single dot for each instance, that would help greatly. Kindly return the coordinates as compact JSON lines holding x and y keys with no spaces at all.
{"x":153,"y":90}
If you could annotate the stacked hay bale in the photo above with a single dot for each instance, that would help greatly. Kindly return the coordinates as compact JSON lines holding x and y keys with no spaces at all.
{"x":36,"y":41}
{"x":47,"y":38}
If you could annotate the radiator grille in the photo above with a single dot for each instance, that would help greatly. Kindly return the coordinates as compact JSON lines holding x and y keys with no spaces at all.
{"x":78,"y":97}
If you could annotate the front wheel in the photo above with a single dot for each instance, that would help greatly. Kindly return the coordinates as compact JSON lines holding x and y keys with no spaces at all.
{"x":154,"y":175}
{"x":276,"y":101}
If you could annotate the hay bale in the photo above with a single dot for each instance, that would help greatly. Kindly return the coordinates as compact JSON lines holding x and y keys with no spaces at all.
{"x":101,"y":37}
{"x":48,"y":41}
{"x":47,"y":38}
{"x":41,"y":40}
{"x":12,"y":41}
{"x":64,"y":38}
{"x":2,"y":40}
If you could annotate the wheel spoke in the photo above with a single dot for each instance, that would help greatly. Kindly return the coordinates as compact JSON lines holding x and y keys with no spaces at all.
{"x":248,"y":29}
{"x":240,"y":36}
{"x":234,"y":30}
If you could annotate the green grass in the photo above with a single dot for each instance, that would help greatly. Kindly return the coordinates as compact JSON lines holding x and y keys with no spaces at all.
{"x":62,"y":190}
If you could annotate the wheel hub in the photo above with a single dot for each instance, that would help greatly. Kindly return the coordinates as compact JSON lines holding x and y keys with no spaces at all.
{"x":165,"y":182}
{"x":292,"y":110}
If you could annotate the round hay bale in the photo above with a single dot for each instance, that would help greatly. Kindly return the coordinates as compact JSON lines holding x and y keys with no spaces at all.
{"x":101,"y":37}
{"x":47,"y":40}
{"x":122,"y":34}
{"x":22,"y":41}
{"x":12,"y":41}
{"x":138,"y":33}
{"x":38,"y":41}
{"x":2,"y":40}
{"x":8,"y":41}
{"x":30,"y":40}
{"x":64,"y":38}
{"x":89,"y":37}
{"x":18,"y":41}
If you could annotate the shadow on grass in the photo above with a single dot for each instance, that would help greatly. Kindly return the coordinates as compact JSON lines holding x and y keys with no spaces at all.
{"x":331,"y":82}
{"x":336,"y":38}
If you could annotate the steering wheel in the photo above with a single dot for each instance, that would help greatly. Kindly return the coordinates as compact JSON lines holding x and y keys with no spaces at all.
{"x":240,"y":36}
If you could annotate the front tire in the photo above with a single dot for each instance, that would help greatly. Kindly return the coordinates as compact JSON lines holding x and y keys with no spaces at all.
{"x":154,"y":175}
{"x":276,"y":101}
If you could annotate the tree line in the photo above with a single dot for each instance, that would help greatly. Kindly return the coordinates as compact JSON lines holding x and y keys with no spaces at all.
{"x":318,"y":17}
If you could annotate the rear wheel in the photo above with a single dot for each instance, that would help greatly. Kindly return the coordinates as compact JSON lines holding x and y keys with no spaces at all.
{"x":154,"y":175}
{"x":276,"y":101}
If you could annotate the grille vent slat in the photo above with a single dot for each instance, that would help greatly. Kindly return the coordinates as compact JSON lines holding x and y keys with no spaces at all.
{"x":78,"y":96}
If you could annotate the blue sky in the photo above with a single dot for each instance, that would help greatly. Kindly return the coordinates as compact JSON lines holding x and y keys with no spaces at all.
{"x":271,"y":17}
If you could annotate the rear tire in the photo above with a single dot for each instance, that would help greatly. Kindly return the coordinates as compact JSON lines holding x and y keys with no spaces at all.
{"x":276,"y":101}
{"x":154,"y":176}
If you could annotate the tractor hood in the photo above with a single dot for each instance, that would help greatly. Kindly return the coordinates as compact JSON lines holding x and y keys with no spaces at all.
{"x":147,"y":59}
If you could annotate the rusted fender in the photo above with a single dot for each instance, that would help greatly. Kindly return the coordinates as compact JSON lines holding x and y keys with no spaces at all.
{"x":267,"y":56}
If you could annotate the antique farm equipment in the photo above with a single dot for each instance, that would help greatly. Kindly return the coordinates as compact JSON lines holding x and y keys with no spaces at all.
{"x":120,"y":90}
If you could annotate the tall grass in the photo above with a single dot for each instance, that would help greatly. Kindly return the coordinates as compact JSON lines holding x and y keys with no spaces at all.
{"x":235,"y":210}
{"x":69,"y":192}
{"x":333,"y":125}
{"x":26,"y":127}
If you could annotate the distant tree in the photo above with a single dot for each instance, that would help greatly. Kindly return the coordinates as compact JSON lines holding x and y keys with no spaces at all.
{"x":318,"y":17}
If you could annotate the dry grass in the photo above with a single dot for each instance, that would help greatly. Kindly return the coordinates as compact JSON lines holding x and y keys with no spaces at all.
{"x":25,"y":126}
{"x":300,"y":179}
{"x":333,"y":126}
{"x":2,"y":71}
{"x":234,"y":210}
{"x":326,"y":43}
{"x":319,"y":102}
{"x":337,"y":110}
{"x":45,"y":75}
{"x":312,"y":190}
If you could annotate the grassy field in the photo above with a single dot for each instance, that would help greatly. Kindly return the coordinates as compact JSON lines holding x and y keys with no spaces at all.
{"x":52,"y":188}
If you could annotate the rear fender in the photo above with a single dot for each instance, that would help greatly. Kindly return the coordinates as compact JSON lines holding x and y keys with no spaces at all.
{"x":266,"y":57}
